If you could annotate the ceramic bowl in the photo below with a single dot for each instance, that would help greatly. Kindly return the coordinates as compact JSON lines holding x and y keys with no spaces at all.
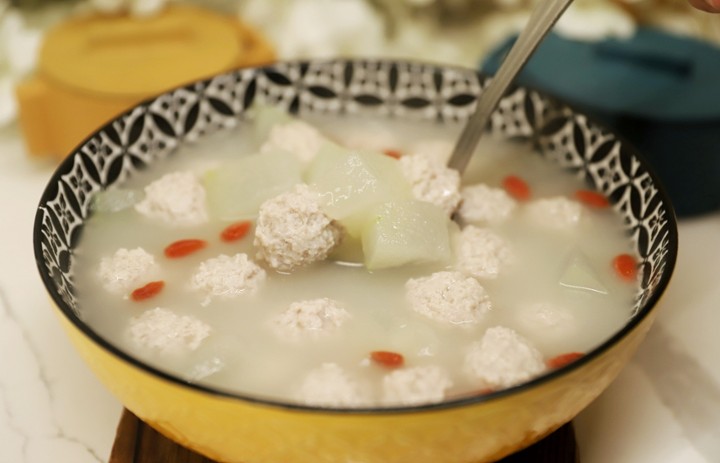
{"x":232,"y":427}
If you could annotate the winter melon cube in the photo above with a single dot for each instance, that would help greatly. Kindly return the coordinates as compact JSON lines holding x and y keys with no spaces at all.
{"x":236,"y":188}
{"x":580,"y":275}
{"x":265,"y":117}
{"x":352,"y":181}
{"x":349,"y":251}
{"x":406,"y":232}
{"x":115,"y":199}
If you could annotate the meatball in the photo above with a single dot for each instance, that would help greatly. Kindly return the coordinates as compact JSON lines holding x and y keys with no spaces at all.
{"x":297,"y":137}
{"x":482,"y":204}
{"x":166,"y":332}
{"x":448,"y":297}
{"x":482,"y":252}
{"x":557,"y":213}
{"x":227,"y":276}
{"x":177,"y":199}
{"x":293,"y":231}
{"x":127,"y":269}
{"x":329,"y":386}
{"x":432,"y":181}
{"x":414,"y":386}
{"x":315,"y":317}
{"x":503,"y":358}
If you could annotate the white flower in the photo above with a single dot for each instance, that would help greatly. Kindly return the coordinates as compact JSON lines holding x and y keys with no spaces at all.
{"x":595,"y":20}
{"x":318,"y":28}
{"x":135,"y":7}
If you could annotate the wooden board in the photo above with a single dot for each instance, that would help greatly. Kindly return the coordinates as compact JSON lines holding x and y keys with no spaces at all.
{"x":137,"y":442}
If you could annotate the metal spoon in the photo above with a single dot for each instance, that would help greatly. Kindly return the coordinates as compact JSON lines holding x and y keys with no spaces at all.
{"x":544,"y":15}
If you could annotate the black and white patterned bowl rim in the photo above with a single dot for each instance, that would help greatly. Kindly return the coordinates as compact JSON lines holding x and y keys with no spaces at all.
{"x":394,"y":89}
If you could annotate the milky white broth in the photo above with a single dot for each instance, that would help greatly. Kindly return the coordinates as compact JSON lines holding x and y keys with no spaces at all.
{"x":250,"y":359}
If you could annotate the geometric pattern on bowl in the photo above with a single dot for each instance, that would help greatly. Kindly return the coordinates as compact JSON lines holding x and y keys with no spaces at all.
{"x":391,"y":89}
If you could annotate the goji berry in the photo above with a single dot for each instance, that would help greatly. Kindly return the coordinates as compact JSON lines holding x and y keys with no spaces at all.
{"x":592,"y":198}
{"x":561,"y":360}
{"x":625,"y":266}
{"x":516,"y":187}
{"x":182,"y":248}
{"x":387,"y":359}
{"x":235,"y":231}
{"x":393,"y":153}
{"x":146,"y":292}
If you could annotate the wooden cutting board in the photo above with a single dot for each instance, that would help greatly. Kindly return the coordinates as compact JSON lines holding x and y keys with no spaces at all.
{"x":137,"y":442}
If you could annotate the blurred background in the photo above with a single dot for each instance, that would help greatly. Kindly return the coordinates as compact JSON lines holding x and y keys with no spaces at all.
{"x":646,"y":68}
{"x":452,"y":31}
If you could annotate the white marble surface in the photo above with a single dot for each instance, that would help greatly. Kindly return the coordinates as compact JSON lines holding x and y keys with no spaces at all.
{"x":664,"y":407}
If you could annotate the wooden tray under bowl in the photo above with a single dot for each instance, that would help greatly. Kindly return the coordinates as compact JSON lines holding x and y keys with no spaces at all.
{"x":137,"y":442}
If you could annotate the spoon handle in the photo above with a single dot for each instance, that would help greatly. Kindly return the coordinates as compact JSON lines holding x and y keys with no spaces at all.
{"x":544,"y":15}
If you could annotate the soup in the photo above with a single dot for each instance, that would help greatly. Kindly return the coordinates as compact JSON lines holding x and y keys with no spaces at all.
{"x":323,"y":268}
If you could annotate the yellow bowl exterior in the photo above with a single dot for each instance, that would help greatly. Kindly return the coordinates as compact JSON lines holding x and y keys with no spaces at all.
{"x":233,"y":430}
